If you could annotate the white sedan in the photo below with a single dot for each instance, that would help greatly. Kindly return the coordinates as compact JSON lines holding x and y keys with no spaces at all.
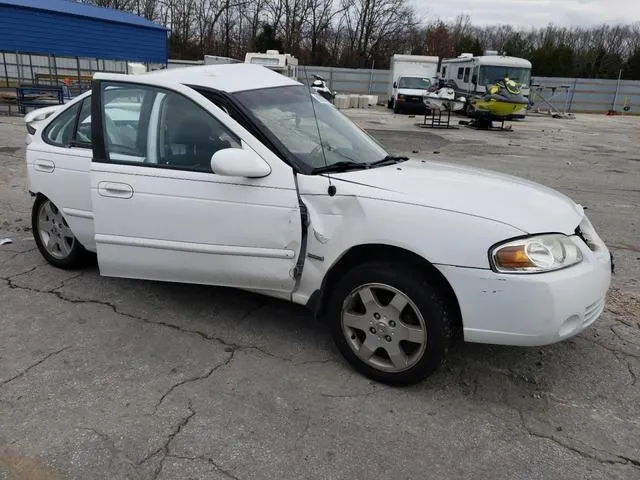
{"x":235,"y":175}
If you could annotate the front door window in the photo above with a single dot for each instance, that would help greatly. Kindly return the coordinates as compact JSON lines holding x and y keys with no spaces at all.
{"x":159,"y":128}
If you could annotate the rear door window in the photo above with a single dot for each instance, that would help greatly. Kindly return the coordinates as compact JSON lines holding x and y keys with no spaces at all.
{"x":60,"y":131}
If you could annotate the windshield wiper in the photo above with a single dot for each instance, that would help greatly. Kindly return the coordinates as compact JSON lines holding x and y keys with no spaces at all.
{"x":340,"y":167}
{"x":350,"y":165}
{"x":388,"y":160}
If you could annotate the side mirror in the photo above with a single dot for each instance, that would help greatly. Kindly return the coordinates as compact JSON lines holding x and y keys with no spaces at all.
{"x":236,"y":162}
{"x":395,"y":84}
{"x":474,"y":79}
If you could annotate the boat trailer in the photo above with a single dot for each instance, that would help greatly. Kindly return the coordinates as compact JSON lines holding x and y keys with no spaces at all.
{"x":485,"y":121}
{"x":439,"y":119}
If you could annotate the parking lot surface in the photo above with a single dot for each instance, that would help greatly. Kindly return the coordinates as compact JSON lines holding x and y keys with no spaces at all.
{"x":106,"y":378}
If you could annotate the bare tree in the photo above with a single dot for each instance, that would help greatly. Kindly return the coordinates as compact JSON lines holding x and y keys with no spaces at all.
{"x":357,"y":33}
{"x":372,"y":24}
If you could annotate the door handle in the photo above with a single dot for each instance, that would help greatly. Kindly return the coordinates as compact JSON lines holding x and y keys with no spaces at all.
{"x":118,"y":190}
{"x":46,"y":166}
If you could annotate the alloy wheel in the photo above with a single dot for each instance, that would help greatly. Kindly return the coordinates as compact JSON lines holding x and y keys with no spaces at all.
{"x":383,"y":327}
{"x":57,"y":238}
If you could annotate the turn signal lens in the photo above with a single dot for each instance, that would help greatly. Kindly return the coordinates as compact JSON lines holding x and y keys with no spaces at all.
{"x":513,"y":257}
{"x":542,"y":253}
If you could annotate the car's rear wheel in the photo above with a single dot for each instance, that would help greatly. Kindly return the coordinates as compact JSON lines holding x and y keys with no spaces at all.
{"x":389,"y":322}
{"x":53,"y":237}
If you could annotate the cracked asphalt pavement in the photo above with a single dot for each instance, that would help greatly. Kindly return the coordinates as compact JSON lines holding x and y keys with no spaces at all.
{"x":117,"y":379}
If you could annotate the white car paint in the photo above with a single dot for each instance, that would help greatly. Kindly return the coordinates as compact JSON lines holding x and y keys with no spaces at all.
{"x":471,"y":191}
{"x":198,"y":227}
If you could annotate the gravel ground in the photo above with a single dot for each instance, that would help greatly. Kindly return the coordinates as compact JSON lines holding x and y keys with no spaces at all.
{"x":116,"y":379}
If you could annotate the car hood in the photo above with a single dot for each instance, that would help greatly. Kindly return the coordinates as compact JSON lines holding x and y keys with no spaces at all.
{"x":525,"y":205}
{"x":416,"y":92}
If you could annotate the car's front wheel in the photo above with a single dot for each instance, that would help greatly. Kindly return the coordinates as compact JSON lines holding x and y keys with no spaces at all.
{"x":389,"y":322}
{"x":53,"y":237}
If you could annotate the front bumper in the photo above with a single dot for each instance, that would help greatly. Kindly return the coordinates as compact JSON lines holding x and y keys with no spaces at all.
{"x":533,"y":309}
{"x":411,"y":106}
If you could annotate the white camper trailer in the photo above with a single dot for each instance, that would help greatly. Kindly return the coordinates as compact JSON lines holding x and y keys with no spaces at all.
{"x":411,"y":76}
{"x":471,"y":75}
{"x":216,"y":60}
{"x":283,"y":63}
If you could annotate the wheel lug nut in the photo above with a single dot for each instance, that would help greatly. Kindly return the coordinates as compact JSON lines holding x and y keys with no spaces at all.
{"x":372,"y":330}
{"x":387,"y":338}
{"x":392,"y":323}
{"x":376,"y":316}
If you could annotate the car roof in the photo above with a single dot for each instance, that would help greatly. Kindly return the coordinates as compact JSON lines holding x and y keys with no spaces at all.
{"x":235,"y":77}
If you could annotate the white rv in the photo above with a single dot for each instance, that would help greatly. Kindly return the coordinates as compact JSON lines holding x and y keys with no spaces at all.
{"x":411,"y":76}
{"x":216,"y":60}
{"x":283,"y":63}
{"x":471,"y":75}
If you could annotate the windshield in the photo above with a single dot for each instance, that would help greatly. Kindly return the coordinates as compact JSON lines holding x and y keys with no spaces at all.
{"x":287,"y":113}
{"x":490,"y":74}
{"x":419,"y":83}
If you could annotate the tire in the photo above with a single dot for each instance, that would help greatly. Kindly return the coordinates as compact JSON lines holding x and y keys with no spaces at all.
{"x":396,"y":109}
{"x":390,"y":104}
{"x":47,"y":223}
{"x":384,"y":333}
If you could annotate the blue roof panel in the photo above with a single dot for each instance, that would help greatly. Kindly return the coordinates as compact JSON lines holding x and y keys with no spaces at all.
{"x":47,"y":32}
{"x":84,"y":10}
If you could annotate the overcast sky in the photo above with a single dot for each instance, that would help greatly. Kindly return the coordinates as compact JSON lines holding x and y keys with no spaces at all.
{"x":533,"y":12}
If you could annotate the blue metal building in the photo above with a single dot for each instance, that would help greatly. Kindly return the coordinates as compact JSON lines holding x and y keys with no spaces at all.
{"x":65,"y":28}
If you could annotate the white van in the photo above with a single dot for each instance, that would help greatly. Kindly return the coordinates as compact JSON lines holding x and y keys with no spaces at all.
{"x":472,"y":74}
{"x":411,"y":76}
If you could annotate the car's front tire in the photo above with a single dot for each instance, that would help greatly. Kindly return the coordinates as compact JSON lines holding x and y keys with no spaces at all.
{"x":389,"y":322}
{"x":53,"y":237}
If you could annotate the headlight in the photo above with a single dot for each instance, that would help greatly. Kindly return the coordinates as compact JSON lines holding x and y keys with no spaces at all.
{"x":542,"y":253}
{"x":400,"y":97}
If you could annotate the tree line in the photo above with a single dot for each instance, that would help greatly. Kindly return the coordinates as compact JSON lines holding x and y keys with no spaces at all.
{"x":365,"y":33}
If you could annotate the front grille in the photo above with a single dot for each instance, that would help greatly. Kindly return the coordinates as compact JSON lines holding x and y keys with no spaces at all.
{"x":593,"y":311}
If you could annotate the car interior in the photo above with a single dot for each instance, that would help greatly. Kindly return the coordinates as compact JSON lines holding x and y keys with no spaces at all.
{"x":189,"y":136}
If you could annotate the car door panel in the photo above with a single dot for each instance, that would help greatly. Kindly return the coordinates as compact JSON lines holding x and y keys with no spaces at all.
{"x":54,"y":160}
{"x":205,"y":231}
{"x":180,"y":225}
{"x":53,"y":166}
